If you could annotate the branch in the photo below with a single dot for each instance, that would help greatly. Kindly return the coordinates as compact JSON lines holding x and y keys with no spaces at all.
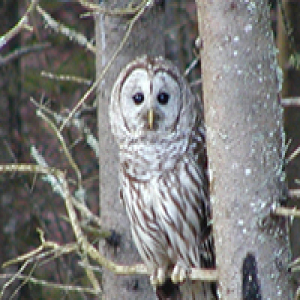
{"x":63,"y":144}
{"x":70,"y":33}
{"x":77,"y":122}
{"x":21,"y":52}
{"x":139,"y":13}
{"x":128,"y":11}
{"x":294,"y":193}
{"x":287,"y":26}
{"x":82,"y":243}
{"x":295,"y":101}
{"x":47,"y":284}
{"x":37,"y":255}
{"x":65,"y":77}
{"x":84,"y":210}
{"x":293,"y":155}
{"x":286,"y":212}
{"x":22,"y":24}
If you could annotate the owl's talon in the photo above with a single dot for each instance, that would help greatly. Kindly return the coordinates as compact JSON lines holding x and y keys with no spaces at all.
{"x":179,"y":274}
{"x":158,"y":277}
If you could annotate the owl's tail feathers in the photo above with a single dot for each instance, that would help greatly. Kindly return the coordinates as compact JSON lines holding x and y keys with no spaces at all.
{"x":196,"y":290}
{"x":168,"y":291}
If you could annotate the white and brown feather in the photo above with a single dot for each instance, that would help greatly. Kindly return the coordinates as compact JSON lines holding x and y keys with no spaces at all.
{"x":163,"y":174}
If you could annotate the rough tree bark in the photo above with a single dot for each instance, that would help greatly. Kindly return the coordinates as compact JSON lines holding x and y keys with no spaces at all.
{"x":245,"y":148}
{"x":146,"y":38}
{"x":290,"y":88}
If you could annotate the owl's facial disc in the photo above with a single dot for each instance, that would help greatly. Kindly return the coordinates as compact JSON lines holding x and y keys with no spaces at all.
{"x":150,"y":102}
{"x":154,"y":114}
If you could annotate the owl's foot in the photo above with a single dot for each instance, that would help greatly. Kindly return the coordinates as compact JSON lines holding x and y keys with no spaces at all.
{"x":179,"y":274}
{"x":158,"y":277}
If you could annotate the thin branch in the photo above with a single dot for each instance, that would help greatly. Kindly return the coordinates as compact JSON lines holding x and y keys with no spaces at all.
{"x":34,"y":254}
{"x":22,"y":24}
{"x":286,"y":212}
{"x":77,"y":122}
{"x":295,"y":101}
{"x":47,"y":284}
{"x":63,"y":144}
{"x":191,"y":66}
{"x":294,"y":263}
{"x":116,"y":53}
{"x":128,"y":11}
{"x":21,"y":52}
{"x":293,"y":155}
{"x":68,"y":201}
{"x":70,"y":33}
{"x":287,"y":26}
{"x":294,"y":193}
{"x":13,"y":278}
{"x":24,"y":282}
{"x":64,"y":77}
{"x":39,"y":254}
{"x":84,"y":246}
{"x":84,"y":210}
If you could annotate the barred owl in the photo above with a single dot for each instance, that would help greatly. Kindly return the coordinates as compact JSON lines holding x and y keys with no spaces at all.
{"x":158,"y":125}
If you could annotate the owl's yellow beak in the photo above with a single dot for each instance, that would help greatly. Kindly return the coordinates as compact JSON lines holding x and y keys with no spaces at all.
{"x":150,"y":117}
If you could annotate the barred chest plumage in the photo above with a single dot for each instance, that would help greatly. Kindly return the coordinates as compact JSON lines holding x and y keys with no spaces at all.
{"x":159,"y":127}
{"x":162,"y":195}
{"x":150,"y":156}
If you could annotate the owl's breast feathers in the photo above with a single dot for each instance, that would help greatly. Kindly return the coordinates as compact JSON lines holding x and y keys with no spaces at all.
{"x":165,"y":177}
{"x":142,"y":158}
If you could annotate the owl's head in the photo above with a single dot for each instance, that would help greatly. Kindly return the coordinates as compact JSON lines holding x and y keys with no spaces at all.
{"x":151,"y":99}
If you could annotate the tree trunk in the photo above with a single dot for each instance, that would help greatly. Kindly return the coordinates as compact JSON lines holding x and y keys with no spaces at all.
{"x":290,"y":88}
{"x":245,"y":143}
{"x":147,"y":37}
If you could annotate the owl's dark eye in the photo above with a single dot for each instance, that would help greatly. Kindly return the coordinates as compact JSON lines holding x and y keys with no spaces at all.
{"x":138,"y":98}
{"x":163,"y":98}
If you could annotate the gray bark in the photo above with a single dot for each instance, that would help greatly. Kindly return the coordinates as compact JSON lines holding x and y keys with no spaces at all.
{"x":290,"y":88}
{"x":147,"y":37}
{"x":245,"y":148}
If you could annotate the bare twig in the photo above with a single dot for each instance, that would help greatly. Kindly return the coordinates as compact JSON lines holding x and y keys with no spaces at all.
{"x":70,"y":33}
{"x":287,"y":26}
{"x":287,"y":212}
{"x":116,"y":53}
{"x":21,"y":25}
{"x":84,"y":210}
{"x":293,"y":155}
{"x":294,"y":263}
{"x":295,"y":193}
{"x":21,"y":52}
{"x":65,"y":77}
{"x":128,"y":11}
{"x":83,"y":245}
{"x":47,"y":284}
{"x":39,"y":254}
{"x":68,"y":201}
{"x":191,"y":66}
{"x":77,"y":122}
{"x":63,"y":144}
{"x":290,"y":101}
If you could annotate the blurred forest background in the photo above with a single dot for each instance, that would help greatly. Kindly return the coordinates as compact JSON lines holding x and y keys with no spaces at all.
{"x":45,"y":70}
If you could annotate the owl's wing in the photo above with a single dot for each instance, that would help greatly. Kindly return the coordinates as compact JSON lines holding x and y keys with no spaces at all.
{"x":184,"y":214}
{"x":182,"y":209}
